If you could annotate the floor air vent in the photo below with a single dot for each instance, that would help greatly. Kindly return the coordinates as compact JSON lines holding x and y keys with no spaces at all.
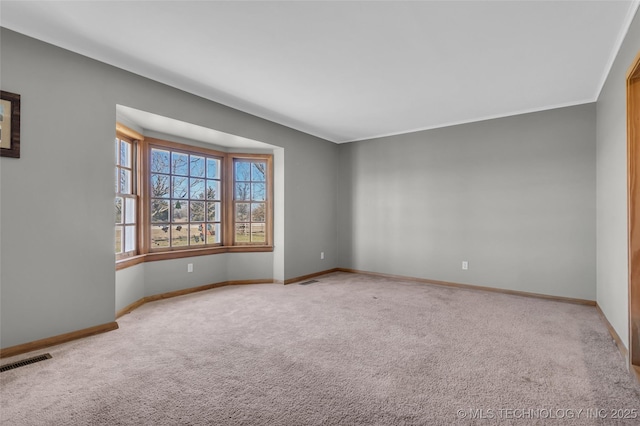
{"x":308,"y":282}
{"x":24,"y":362}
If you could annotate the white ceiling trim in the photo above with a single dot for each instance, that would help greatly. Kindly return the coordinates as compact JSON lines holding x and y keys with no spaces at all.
{"x":633,"y":9}
{"x":475,"y":120}
{"x":631,"y":13}
{"x":348,"y":71}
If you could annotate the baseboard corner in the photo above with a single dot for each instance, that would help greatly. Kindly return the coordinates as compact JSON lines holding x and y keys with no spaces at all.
{"x":614,"y":335}
{"x":57,"y":340}
{"x":309,"y":276}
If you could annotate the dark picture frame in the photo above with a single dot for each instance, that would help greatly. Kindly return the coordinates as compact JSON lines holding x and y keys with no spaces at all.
{"x":9,"y":124}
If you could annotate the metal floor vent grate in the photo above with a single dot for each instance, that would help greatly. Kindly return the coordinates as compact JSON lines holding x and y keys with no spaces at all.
{"x":24,"y":362}
{"x":308,"y":282}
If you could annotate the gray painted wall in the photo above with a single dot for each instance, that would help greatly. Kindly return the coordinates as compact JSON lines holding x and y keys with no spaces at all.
{"x":57,"y":267}
{"x":613,"y":297}
{"x":515,"y":197}
{"x":129,"y":285}
{"x":151,"y":278}
{"x":170,"y":275}
{"x":278,"y":219}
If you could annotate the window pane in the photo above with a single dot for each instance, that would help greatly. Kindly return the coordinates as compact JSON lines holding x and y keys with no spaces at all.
{"x":197,"y":189}
{"x":213,"y":233}
{"x":126,"y":206}
{"x":258,"y":232}
{"x":185,"y":198}
{"x":160,"y":186}
{"x":159,"y":211}
{"x":242,"y":212}
{"x":118,"y":210}
{"x":159,"y":161}
{"x":213,"y":168}
{"x":179,"y":235}
{"x":125,"y":153}
{"x":197,"y":166}
{"x":258,"y":171}
{"x":179,"y":164}
{"x":130,"y":210}
{"x":242,"y":232}
{"x":180,"y":211}
{"x":213,"y":212}
{"x":118,"y":239}
{"x":125,"y":181}
{"x":258,"y":212}
{"x":197,"y":211}
{"x":213,"y":190}
{"x":180,"y":187}
{"x":196,"y":234}
{"x":258,"y":192}
{"x":243,"y":191}
{"x":242,"y":171}
{"x":160,"y":236}
{"x":130,"y":238}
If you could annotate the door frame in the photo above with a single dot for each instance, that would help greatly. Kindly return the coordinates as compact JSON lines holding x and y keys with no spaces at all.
{"x":633,"y":218}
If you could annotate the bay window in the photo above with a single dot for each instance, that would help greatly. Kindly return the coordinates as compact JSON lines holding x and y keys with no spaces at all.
{"x":190,"y":201}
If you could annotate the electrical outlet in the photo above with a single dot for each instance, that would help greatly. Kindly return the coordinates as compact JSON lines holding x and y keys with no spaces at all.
{"x":465,"y":265}
{"x":321,"y":255}
{"x":190,"y":267}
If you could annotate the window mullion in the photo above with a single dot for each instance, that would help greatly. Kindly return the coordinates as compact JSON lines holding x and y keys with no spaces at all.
{"x":150,"y":157}
{"x":228,"y":202}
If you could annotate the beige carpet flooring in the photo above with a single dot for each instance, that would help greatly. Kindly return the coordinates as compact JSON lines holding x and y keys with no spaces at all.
{"x":348,"y":350}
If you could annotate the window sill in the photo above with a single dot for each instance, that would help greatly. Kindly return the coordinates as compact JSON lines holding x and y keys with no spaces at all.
{"x":178,"y":254}
{"x":129,"y":261}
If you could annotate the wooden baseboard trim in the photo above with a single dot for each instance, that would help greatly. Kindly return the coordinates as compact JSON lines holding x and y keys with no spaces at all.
{"x":635,"y":371}
{"x":623,"y":350}
{"x":185,"y":291}
{"x":79,"y":334}
{"x":131,"y":307}
{"x":308,"y":276}
{"x":56,"y":340}
{"x":474,"y":287}
{"x":247,"y":282}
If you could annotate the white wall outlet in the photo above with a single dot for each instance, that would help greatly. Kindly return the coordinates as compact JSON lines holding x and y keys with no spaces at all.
{"x":321,"y":255}
{"x":465,"y":265}
{"x":190,"y":267}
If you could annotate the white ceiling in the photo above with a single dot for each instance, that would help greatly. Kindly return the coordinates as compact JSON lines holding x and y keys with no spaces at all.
{"x":349,"y":70}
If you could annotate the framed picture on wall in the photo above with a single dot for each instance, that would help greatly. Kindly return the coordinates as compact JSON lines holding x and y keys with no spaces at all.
{"x":9,"y":124}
